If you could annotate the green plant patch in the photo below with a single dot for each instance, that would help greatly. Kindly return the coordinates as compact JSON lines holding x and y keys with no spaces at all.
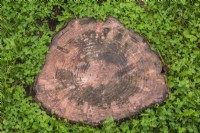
{"x":171,"y":27}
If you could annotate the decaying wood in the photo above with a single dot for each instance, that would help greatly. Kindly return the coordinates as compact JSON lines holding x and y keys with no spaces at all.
{"x":99,"y":69}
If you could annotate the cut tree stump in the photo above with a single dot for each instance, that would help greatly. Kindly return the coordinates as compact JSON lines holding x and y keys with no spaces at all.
{"x":99,"y":69}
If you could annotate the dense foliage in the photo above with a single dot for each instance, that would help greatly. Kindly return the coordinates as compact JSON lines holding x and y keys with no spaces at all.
{"x":172,"y":29}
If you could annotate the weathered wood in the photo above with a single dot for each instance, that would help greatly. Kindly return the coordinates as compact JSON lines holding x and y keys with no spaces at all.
{"x":99,"y":69}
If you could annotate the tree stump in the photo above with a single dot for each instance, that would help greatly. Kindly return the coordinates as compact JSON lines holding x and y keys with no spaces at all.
{"x":99,"y":69}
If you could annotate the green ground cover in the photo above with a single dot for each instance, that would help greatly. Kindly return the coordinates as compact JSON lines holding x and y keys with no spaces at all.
{"x":171,"y":27}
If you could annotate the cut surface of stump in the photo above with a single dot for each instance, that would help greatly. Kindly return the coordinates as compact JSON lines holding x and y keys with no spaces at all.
{"x":98,"y":69}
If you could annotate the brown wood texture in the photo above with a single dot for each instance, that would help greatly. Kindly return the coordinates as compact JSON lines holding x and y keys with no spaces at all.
{"x":99,"y":69}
